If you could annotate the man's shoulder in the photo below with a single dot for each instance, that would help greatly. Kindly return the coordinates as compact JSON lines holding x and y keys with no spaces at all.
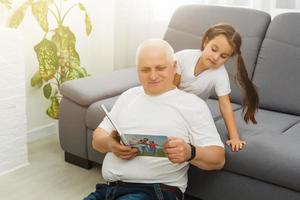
{"x":191,"y":107}
{"x":189,"y":98}
{"x":134,"y":90}
{"x":131,"y":92}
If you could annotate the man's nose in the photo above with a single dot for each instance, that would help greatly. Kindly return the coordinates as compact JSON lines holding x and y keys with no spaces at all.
{"x":153,"y":75}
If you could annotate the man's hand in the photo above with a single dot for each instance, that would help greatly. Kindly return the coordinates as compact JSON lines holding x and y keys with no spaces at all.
{"x":120,"y":150}
{"x":177,"y":150}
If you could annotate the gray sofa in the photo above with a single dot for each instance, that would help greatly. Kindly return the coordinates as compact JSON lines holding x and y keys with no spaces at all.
{"x":269,"y":166}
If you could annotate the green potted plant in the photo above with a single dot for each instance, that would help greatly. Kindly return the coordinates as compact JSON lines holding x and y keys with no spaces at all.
{"x":56,"y":53}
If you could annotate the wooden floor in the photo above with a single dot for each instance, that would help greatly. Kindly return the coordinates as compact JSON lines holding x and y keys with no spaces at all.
{"x":48,"y":176}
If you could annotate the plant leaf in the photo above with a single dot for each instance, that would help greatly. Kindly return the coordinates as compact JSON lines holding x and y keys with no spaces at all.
{"x":36,"y":80}
{"x":68,"y":56}
{"x":53,"y":110}
{"x":88,"y":25}
{"x":47,"y":89}
{"x":18,"y":16}
{"x":40,"y":12}
{"x":76,"y":73}
{"x":81,"y":7}
{"x":64,"y":39}
{"x":6,"y":3}
{"x":46,"y":52}
{"x":87,"y":20}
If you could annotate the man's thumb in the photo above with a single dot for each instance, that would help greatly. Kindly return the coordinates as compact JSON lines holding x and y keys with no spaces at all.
{"x":114,"y":134}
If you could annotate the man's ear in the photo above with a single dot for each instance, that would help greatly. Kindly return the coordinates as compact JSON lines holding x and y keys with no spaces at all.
{"x":175,"y":63}
{"x":174,"y":66}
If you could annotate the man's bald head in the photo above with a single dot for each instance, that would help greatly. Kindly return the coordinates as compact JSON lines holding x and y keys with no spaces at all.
{"x":155,"y":46}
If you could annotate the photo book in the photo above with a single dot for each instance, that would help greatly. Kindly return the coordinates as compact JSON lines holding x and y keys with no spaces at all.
{"x":148,"y":145}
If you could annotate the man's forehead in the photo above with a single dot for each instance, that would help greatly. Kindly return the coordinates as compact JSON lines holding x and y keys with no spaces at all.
{"x":152,"y":51}
{"x":154,"y":61}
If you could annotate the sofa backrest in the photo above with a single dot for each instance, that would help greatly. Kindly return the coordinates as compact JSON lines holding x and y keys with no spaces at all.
{"x":189,"y":23}
{"x":278,"y":67}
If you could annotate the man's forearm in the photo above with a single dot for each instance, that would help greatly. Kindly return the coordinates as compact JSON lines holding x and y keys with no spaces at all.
{"x":209,"y":158}
{"x":101,"y":140}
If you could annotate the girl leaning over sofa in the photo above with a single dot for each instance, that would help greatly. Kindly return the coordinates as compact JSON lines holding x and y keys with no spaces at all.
{"x":202,"y":71}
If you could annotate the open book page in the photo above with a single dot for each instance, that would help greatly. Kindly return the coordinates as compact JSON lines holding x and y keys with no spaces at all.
{"x":148,"y":145}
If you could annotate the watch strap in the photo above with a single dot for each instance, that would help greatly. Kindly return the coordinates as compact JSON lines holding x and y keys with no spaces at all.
{"x":193,"y":152}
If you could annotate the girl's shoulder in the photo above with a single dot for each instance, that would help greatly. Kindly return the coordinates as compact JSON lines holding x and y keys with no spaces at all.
{"x":221,"y":76}
{"x":221,"y":71}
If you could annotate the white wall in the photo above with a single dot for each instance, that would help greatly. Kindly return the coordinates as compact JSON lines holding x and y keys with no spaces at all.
{"x":96,"y":53}
{"x":13,"y":140}
{"x":134,"y":22}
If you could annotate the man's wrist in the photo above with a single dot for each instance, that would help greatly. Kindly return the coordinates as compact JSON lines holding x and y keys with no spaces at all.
{"x":193,"y":152}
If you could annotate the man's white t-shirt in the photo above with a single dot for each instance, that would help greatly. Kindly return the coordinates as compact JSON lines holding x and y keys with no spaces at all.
{"x":206,"y":82}
{"x":174,"y":113}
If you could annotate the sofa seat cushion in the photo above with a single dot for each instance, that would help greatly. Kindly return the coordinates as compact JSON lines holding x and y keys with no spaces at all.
{"x":271,"y":154}
{"x":95,"y":115}
{"x":214,"y":108}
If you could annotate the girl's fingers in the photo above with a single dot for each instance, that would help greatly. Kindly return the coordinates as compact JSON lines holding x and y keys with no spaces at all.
{"x":237,"y":147}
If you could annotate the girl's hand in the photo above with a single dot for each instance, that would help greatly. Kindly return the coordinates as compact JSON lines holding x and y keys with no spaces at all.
{"x":236,"y":144}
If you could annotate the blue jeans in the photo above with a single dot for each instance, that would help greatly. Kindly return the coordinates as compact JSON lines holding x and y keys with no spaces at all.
{"x":124,"y":192}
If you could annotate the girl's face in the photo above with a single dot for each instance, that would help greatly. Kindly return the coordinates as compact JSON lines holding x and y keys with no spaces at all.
{"x":216,"y":52}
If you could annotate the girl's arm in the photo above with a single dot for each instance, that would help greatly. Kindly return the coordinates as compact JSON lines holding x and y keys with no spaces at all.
{"x":228,"y":116}
{"x":177,"y":79}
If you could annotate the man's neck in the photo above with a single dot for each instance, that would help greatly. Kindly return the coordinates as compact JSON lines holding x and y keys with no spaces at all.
{"x":157,"y":94}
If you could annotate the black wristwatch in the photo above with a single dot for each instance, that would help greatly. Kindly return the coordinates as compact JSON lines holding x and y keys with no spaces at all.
{"x":193,"y":152}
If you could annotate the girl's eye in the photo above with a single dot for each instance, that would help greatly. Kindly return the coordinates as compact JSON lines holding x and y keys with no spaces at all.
{"x":214,"y":49}
{"x":224,"y":56}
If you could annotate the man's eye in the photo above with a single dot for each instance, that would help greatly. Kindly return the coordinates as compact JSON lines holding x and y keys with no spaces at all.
{"x":214,"y":49}
{"x":160,"y":68}
{"x":145,"y":70}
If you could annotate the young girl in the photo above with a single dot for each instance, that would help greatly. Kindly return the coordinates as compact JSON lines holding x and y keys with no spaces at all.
{"x":202,"y":71}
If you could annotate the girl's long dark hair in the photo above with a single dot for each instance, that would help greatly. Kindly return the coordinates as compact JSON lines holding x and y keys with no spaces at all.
{"x":251,"y":99}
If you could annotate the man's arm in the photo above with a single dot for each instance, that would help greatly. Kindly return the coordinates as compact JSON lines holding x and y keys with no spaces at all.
{"x":207,"y":158}
{"x":105,"y":142}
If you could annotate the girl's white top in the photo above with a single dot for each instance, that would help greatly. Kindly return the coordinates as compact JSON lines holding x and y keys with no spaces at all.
{"x":206,"y":82}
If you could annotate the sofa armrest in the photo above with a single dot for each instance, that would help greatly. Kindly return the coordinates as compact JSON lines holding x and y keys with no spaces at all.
{"x":87,"y":90}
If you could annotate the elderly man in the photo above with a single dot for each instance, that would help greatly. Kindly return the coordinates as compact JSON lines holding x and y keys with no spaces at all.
{"x":156,"y":108}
